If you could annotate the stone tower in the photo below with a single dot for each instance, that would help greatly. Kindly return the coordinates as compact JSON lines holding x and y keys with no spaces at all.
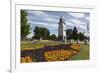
{"x":61,"y":29}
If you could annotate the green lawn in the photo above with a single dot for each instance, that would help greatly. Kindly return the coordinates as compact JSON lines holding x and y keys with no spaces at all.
{"x":28,"y":44}
{"x":83,"y":53}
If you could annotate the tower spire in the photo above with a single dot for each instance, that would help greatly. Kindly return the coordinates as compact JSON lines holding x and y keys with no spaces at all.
{"x":61,"y":20}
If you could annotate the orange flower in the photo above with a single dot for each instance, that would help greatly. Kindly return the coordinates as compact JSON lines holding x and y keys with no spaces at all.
{"x":26,"y":59}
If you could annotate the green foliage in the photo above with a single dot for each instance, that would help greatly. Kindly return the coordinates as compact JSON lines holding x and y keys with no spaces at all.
{"x":81,"y":36}
{"x":69,"y":34}
{"x":25,"y":27}
{"x":53,"y":37}
{"x":37,"y":33}
{"x":41,"y":32}
{"x":75,"y":34}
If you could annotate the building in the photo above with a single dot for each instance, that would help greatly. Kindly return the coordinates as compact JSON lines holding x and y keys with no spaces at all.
{"x":62,"y":29}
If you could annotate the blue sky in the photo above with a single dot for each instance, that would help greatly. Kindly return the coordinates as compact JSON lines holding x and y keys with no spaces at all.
{"x":50,"y":19}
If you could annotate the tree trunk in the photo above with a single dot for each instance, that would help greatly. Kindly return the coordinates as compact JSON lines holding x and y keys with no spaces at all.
{"x":77,"y":41}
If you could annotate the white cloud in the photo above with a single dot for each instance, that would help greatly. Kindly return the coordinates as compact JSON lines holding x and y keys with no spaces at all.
{"x":37,"y":12}
{"x":69,"y":23}
{"x":77,"y":15}
{"x":37,"y":23}
{"x":82,"y":27}
{"x":43,"y":16}
{"x":51,"y":19}
{"x":77,"y":22}
{"x":87,"y":18}
{"x":44,"y":24}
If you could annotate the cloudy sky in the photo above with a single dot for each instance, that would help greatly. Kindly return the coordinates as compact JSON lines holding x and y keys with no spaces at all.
{"x":50,"y":19}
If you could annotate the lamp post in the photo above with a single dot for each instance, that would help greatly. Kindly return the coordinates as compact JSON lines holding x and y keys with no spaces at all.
{"x":65,"y":38}
{"x":87,"y":31}
{"x":78,"y":33}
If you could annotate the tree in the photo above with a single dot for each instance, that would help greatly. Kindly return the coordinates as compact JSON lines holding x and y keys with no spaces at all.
{"x":25,"y":27}
{"x":75,"y":34}
{"x":53,"y":37}
{"x":69,"y":34}
{"x":86,"y":38}
{"x":41,"y":32}
{"x":81,"y":36}
{"x":44,"y":33}
{"x":37,"y":33}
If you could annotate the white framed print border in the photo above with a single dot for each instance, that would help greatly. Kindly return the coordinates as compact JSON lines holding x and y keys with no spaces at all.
{"x":16,"y":66}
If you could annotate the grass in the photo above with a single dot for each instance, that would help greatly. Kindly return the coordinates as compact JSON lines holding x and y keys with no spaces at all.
{"x":25,"y":45}
{"x":83,"y":53}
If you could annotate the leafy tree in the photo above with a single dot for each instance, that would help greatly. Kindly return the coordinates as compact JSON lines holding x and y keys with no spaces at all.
{"x":69,"y":34}
{"x":86,"y":38}
{"x":41,"y":32}
{"x":25,"y":27}
{"x":75,"y":34}
{"x":53,"y":37}
{"x":37,"y":33}
{"x":81,"y":36}
{"x":33,"y":37}
{"x":44,"y":33}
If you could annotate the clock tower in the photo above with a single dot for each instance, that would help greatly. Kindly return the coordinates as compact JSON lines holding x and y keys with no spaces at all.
{"x":61,"y":29}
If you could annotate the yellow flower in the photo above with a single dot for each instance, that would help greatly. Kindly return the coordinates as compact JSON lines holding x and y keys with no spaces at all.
{"x":58,"y":55}
{"x":23,"y":60}
{"x":76,"y":46}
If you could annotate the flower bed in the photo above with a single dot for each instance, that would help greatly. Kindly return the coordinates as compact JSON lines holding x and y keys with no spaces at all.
{"x":51,"y":53}
{"x":26,"y":59}
{"x":75,"y":47}
{"x":58,"y":55}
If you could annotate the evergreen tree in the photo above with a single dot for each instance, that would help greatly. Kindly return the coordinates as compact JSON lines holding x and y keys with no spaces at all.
{"x":75,"y":34}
